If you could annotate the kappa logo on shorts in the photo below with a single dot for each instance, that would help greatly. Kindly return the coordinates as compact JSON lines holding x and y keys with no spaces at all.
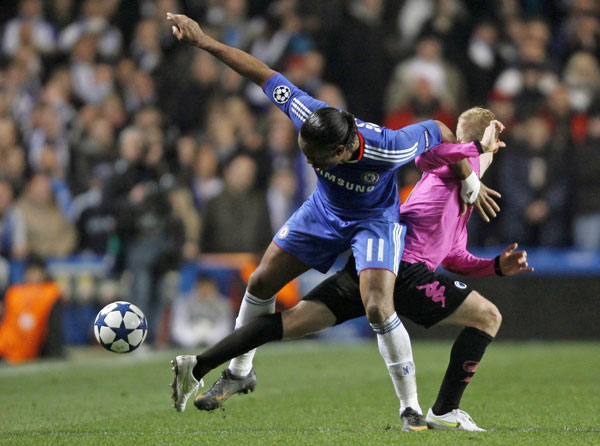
{"x":283,"y":232}
{"x":370,"y":177}
{"x":434,"y":293}
{"x":282,"y":94}
{"x":460,"y":285}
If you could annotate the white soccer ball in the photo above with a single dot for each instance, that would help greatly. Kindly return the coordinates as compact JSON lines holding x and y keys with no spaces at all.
{"x":120,"y":327}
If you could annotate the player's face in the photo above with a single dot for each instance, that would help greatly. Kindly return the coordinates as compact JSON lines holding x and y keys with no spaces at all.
{"x":319,"y":159}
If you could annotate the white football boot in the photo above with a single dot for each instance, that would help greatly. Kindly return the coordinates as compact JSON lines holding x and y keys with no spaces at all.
{"x":455,"y":420}
{"x":184,"y":384}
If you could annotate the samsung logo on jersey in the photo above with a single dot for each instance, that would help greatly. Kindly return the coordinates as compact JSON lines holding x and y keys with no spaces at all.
{"x":426,"y":140}
{"x":343,"y":183}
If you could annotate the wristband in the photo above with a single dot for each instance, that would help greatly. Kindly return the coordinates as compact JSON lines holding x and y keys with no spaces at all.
{"x":470,"y":188}
{"x":497,"y":268}
{"x":479,"y":146}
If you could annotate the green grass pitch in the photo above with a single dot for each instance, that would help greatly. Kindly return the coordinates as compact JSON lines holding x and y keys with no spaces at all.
{"x":308,"y":393}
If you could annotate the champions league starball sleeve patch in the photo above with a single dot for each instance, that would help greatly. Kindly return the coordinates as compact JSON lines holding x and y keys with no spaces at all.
{"x":282,"y":94}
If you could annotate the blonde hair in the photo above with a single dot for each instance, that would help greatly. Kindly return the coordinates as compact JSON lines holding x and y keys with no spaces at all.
{"x":472,"y":123}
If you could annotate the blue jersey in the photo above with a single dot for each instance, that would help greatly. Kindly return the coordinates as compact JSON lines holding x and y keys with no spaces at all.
{"x":364,"y":188}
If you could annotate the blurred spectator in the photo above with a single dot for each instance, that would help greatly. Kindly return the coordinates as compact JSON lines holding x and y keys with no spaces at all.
{"x":48,"y":146}
{"x":586,"y":175}
{"x":92,"y":82}
{"x":201,"y":317}
{"x":97,"y":227}
{"x":449,"y":23}
{"x":529,"y":80}
{"x":96,"y":148}
{"x":61,"y":12}
{"x":13,"y":239}
{"x":422,"y":105}
{"x":483,"y":62}
{"x":533,"y":181}
{"x":281,"y":197}
{"x":582,"y":77}
{"x":183,"y":165}
{"x":145,"y":47}
{"x":31,"y":318}
{"x":207,"y":183}
{"x":49,"y":232}
{"x":360,"y":54}
{"x":197,"y":87}
{"x":444,"y":80}
{"x":94,"y":20}
{"x":182,"y":206}
{"x":581,"y":30}
{"x":29,"y":28}
{"x":237,"y":220}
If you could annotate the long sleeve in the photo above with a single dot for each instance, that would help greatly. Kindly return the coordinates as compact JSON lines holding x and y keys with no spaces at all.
{"x":461,"y":261}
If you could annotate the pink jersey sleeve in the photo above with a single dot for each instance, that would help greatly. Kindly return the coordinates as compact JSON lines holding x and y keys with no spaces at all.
{"x":461,"y":261}
{"x":445,"y":154}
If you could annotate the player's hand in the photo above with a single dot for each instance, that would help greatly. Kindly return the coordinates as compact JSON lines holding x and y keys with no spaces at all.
{"x":187,"y":30}
{"x":485,"y":205}
{"x":514,"y":262}
{"x":491,"y":141}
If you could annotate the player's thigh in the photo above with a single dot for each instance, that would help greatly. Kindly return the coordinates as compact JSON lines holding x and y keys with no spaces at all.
{"x":276,"y":268}
{"x":476,"y":311}
{"x":305,"y":318}
{"x":340,"y":293}
{"x":426,"y":297}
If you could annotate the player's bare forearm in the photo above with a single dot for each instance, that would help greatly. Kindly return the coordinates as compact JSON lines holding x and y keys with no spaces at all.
{"x":462,"y":169}
{"x":245,"y":64}
{"x":188,"y":31}
{"x":447,"y":135}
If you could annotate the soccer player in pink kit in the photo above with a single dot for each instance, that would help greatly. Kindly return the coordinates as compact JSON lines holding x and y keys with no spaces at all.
{"x":436,"y":235}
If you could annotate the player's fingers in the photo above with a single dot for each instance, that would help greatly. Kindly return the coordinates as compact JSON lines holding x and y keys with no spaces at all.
{"x":177,"y":18}
{"x":527,"y":270}
{"x":489,"y":210}
{"x":493,"y":192}
{"x":481,"y":212}
{"x":493,"y":203}
{"x":463,"y":208}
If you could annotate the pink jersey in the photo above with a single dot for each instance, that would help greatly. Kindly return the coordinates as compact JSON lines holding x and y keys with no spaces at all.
{"x":436,"y":234}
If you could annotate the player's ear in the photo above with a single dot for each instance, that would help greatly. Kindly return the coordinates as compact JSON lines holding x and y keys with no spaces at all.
{"x":339,"y":150}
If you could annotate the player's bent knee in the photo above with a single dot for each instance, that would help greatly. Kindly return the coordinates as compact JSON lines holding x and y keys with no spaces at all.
{"x":488,"y":317}
{"x":493,"y":317}
{"x":375,"y":313}
{"x":259,"y":284}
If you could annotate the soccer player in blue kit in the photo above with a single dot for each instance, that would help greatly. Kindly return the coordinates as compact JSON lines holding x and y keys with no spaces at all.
{"x":354,"y":205}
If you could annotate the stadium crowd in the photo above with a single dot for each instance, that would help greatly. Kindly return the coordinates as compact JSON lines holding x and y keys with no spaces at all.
{"x":118,"y":142}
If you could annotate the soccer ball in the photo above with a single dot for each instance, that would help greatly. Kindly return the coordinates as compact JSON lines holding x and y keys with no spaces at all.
{"x":120,"y":327}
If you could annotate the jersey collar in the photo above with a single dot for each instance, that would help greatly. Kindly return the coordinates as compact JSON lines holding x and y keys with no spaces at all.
{"x":361,"y":149}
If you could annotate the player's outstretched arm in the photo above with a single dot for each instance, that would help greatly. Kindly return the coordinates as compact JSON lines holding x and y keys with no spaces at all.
{"x":513,"y":262}
{"x":188,"y":31}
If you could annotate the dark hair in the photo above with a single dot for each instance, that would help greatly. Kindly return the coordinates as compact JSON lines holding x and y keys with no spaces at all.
{"x":328,"y":128}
